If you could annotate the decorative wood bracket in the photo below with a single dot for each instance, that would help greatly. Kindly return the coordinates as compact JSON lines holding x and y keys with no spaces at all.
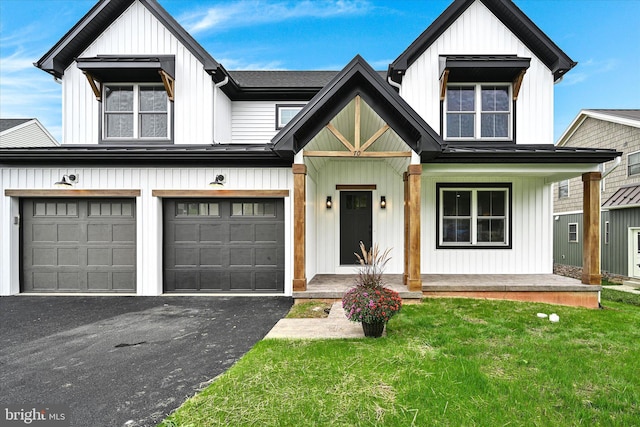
{"x":96,"y":86}
{"x":443,"y":84}
{"x":168,"y":82}
{"x":356,"y":149}
{"x":517,"y":83}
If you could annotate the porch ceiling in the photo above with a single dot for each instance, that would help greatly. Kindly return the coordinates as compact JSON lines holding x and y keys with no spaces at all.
{"x":550,"y":172}
{"x":370,"y":123}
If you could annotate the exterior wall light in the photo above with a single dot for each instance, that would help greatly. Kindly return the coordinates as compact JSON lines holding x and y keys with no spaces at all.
{"x":383,"y":202}
{"x":328,"y":202}
{"x":218,"y":182}
{"x":67,"y":181}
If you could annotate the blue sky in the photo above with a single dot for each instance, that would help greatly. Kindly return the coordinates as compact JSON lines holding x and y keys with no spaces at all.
{"x":602,"y":35}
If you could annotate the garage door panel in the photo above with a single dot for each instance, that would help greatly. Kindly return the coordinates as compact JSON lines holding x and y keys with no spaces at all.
{"x":123,"y":257}
{"x":187,"y":233}
{"x":267,"y":232}
{"x":99,"y":257}
{"x":68,"y":233}
{"x":266,"y":257}
{"x":213,"y":257}
{"x":125,"y":233}
{"x":69,"y":257}
{"x":122,"y":280}
{"x":233,"y":238}
{"x":213,"y":233}
{"x":241,"y":233}
{"x":66,"y":249}
{"x":186,"y":257}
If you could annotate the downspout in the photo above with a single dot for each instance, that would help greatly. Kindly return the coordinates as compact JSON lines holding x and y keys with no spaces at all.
{"x":216,"y":86}
{"x":394,"y":84}
{"x":615,"y":165}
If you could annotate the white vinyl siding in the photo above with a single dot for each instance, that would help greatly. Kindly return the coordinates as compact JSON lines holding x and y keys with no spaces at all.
{"x":148,"y":208}
{"x":531,"y":224}
{"x":478,"y":31}
{"x":138,"y":32}
{"x":27,"y":135}
{"x":254,"y":122}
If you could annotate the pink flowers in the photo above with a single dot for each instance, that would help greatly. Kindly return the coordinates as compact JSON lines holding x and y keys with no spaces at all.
{"x":367,"y":304}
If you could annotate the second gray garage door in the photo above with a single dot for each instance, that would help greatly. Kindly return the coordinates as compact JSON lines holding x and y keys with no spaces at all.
{"x":224,"y":245}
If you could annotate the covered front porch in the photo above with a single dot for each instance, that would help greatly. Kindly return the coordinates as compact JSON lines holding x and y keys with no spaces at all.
{"x":545,"y":288}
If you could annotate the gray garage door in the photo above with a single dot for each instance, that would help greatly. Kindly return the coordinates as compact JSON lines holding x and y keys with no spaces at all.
{"x":224,"y":245}
{"x":78,"y":245}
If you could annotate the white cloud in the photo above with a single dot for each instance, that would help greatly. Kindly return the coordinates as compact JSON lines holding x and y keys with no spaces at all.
{"x":246,"y":13}
{"x":585,"y":70}
{"x":239,"y":65}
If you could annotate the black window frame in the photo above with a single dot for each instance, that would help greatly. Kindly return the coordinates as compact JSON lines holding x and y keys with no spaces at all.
{"x":281,"y":106}
{"x":475,"y":186}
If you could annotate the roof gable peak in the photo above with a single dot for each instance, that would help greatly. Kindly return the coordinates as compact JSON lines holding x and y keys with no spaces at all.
{"x":510,"y":15}
{"x":98,"y":19}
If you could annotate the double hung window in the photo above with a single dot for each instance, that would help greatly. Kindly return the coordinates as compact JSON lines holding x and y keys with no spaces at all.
{"x":474,"y":216}
{"x":563,"y":189}
{"x":478,"y":111}
{"x":136,"y":111}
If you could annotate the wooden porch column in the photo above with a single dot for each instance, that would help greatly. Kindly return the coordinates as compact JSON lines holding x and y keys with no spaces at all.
{"x":405,"y":275}
{"x":591,"y":274}
{"x":414,"y":280}
{"x":299,"y":212}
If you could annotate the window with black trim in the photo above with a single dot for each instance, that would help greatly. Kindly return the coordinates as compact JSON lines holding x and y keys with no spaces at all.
{"x":573,"y":232}
{"x":286,"y":112}
{"x":474,"y":216}
{"x":478,"y":111}
{"x":136,"y":112}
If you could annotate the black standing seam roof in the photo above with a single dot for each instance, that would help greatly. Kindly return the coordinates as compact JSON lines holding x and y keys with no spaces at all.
{"x":510,"y":15}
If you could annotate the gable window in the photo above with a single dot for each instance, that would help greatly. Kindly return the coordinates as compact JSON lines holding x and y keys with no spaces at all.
{"x":573,"y":232}
{"x":474,"y":216}
{"x":633,"y":164}
{"x":563,"y":189}
{"x":284,"y":114}
{"x":136,"y":111}
{"x":478,"y":111}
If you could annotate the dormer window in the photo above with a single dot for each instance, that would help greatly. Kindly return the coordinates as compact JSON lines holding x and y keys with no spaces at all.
{"x":478,"y":111}
{"x":137,"y":111}
{"x":478,"y":94}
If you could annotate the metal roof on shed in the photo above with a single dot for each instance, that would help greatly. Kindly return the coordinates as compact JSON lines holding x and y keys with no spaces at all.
{"x":626,"y":197}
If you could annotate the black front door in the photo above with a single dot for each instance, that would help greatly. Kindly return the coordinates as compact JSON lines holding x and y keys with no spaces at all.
{"x":355,"y":224}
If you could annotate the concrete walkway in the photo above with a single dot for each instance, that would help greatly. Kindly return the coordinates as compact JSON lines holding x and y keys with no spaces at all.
{"x":334,"y":326}
{"x":631,"y":288}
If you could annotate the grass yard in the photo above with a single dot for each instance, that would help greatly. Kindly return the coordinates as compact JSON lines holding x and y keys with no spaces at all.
{"x":446,"y":362}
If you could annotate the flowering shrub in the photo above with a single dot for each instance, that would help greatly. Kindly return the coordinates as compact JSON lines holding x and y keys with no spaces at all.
{"x":371,"y":304}
{"x":369,"y":301}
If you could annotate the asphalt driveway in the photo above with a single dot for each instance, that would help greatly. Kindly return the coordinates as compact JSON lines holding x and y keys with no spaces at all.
{"x":117,"y":361}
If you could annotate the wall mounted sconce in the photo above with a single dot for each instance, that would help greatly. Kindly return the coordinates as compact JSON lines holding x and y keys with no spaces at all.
{"x":218,"y":182}
{"x":67,"y":181}
{"x":383,"y":202}
{"x":329,"y":202}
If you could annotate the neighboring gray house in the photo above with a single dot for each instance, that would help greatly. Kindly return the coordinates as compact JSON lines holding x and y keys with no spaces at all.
{"x":620,"y":186}
{"x":24,"y":133}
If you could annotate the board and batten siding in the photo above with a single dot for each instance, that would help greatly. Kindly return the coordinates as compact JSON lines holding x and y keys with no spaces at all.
{"x":531,"y":251}
{"x":477,"y":31}
{"x":138,"y":32}
{"x":387,"y":223}
{"x":148,"y":209}
{"x":254,"y":122}
{"x":564,"y":251}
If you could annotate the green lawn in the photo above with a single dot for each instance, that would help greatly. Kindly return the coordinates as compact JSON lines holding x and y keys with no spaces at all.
{"x":447,"y":362}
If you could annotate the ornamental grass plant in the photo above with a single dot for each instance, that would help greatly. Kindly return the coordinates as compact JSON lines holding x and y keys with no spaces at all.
{"x":369,"y":301}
